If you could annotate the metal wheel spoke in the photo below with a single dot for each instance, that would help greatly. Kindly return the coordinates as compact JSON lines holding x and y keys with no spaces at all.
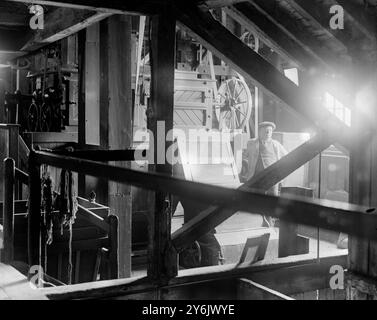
{"x":236,"y":86}
{"x":236,"y":120}
{"x":239,"y":93}
{"x":223,"y":95}
{"x":241,"y":112}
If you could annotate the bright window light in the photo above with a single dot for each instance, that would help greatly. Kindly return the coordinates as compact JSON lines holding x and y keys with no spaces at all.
{"x":292,"y":74}
{"x":337,"y":108}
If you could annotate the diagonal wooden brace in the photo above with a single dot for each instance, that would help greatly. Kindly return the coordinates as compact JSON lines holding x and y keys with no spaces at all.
{"x":214,"y":215}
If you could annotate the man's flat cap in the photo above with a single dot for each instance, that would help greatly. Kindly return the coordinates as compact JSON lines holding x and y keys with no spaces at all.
{"x":267,"y":124}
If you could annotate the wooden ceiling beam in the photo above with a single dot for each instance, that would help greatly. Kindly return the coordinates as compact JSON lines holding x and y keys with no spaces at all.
{"x":219,"y":3}
{"x":13,"y":20}
{"x":131,"y":7}
{"x":11,"y":41}
{"x":270,"y":34}
{"x":215,"y":37}
{"x":315,"y":72}
{"x":355,"y":39}
{"x":315,"y":47}
{"x":110,"y":6}
{"x":274,"y":36}
{"x":308,"y":11}
{"x":62,"y":23}
{"x":362,"y":16}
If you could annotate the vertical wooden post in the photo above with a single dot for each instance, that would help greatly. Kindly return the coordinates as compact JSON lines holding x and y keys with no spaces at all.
{"x":116,"y":121}
{"x":113,"y":251}
{"x":363,"y":183}
{"x":81,"y":40}
{"x":34,"y":215}
{"x":14,"y":151}
{"x":162,"y":258}
{"x":289,"y":240}
{"x":2,"y":101}
{"x":8,"y":210}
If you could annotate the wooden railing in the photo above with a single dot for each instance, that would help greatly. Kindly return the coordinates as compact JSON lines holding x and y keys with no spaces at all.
{"x":336,"y":216}
{"x":12,"y":209}
{"x":9,"y":150}
{"x":11,"y":175}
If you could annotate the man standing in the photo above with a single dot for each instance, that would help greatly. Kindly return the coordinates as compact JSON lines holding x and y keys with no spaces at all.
{"x":262,"y":152}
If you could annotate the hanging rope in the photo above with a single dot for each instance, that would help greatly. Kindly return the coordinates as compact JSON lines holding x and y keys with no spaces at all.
{"x":70,"y":265}
{"x":68,"y":202}
{"x":47,"y":211}
{"x":67,"y":212}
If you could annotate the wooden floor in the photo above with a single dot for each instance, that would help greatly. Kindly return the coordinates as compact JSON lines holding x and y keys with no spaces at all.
{"x":233,"y":233}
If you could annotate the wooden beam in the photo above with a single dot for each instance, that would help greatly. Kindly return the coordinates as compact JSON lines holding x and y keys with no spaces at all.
{"x":12,"y":40}
{"x":22,"y":176}
{"x":358,"y":43}
{"x":229,"y":48}
{"x":20,"y":206}
{"x":299,"y":279}
{"x":213,"y":216}
{"x":141,"y":7}
{"x":117,"y":112}
{"x":61,"y":23}
{"x":34,"y":213}
{"x":363,"y":169}
{"x":2,"y":101}
{"x":249,"y":17}
{"x":363,"y":16}
{"x":15,"y":15}
{"x":81,"y":46}
{"x":81,"y":57}
{"x":126,"y":287}
{"x":92,"y":218}
{"x":275,"y":12}
{"x":250,"y":290}
{"x":110,"y":6}
{"x":218,"y":3}
{"x":331,"y":215}
{"x":162,"y":257}
{"x":292,"y":161}
{"x":8,"y":211}
{"x":315,"y":71}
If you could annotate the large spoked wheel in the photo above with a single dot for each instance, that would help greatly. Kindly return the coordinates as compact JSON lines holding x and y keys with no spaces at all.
{"x":235,"y":105}
{"x":46,"y":118}
{"x":32,"y":118}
